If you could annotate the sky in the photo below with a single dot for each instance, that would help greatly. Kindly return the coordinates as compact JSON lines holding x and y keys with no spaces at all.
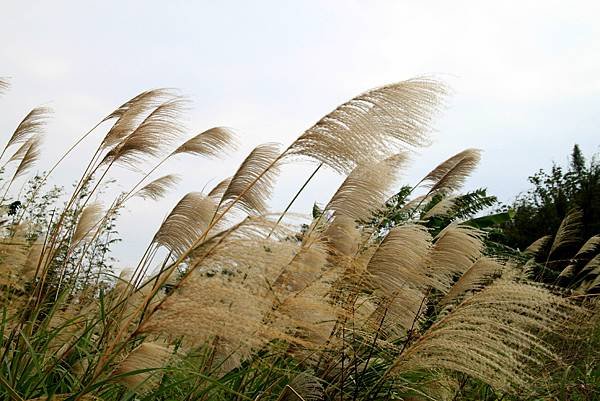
{"x":525,"y":77}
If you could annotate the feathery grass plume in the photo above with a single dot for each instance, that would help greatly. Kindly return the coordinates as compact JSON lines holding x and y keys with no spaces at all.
{"x":306,"y":266}
{"x":303,"y":387}
{"x":474,"y":279}
{"x":590,"y":275}
{"x":21,"y":151}
{"x":13,"y":257}
{"x":493,"y":335}
{"x":567,"y":272}
{"x":158,"y":188}
{"x":366,"y":188}
{"x":217,"y":192}
{"x":186,"y":223}
{"x":252,"y":183}
{"x":568,"y":232}
{"x":373,"y":125}
{"x":131,"y":113}
{"x":88,"y":220}
{"x":148,"y":139}
{"x":33,"y":123}
{"x":65,"y":326}
{"x":150,"y":358}
{"x":454,"y":251}
{"x":4,"y":85}
{"x":30,"y":157}
{"x":451,"y":174}
{"x":538,"y":245}
{"x":397,"y":273}
{"x":591,"y":245}
{"x":342,"y":236}
{"x":227,"y":295}
{"x":442,"y":208}
{"x":210,"y":143}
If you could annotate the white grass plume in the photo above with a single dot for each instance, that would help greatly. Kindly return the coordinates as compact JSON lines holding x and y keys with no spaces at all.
{"x":159,"y":187}
{"x":366,"y":188}
{"x":214,"y":142}
{"x":186,"y":223}
{"x":374,"y":125}
{"x":252,"y":183}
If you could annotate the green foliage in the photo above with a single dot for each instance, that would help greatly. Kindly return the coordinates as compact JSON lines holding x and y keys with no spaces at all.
{"x":540,"y":211}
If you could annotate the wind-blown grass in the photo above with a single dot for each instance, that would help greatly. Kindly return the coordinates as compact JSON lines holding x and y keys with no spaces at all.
{"x":231,"y":302}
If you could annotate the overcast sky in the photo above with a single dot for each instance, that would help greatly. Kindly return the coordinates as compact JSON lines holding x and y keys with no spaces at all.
{"x":525,"y":75}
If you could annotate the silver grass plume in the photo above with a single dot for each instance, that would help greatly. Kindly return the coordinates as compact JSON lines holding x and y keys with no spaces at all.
{"x":568,"y":232}
{"x":90,"y":217}
{"x":30,"y":156}
{"x":374,"y":125}
{"x":366,"y":188}
{"x":252,"y":183}
{"x":218,"y":190}
{"x":186,"y":223}
{"x":398,"y":274}
{"x":538,"y":245}
{"x":32,"y":123}
{"x":131,"y":113}
{"x":591,"y":245}
{"x":493,"y":335}
{"x":303,"y":387}
{"x":454,"y":251}
{"x":158,"y":188}
{"x":148,"y":355}
{"x":451,"y":174}
{"x":474,"y":279}
{"x":442,"y":208}
{"x":148,"y":139}
{"x":210,"y":143}
{"x":4,"y":85}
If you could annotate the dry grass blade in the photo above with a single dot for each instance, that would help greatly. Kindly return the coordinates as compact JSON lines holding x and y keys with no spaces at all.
{"x":568,"y":232}
{"x":538,"y":245}
{"x":88,"y":220}
{"x":186,"y":223}
{"x":159,"y":187}
{"x":373,"y":125}
{"x":131,"y":113}
{"x":33,"y":123}
{"x":252,"y":183}
{"x":493,"y":335}
{"x":451,"y":174}
{"x":30,"y":157}
{"x":366,"y":188}
{"x":147,"y":355}
{"x":158,"y":130}
{"x":210,"y":143}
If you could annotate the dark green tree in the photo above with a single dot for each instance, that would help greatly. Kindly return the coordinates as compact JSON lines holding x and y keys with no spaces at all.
{"x":540,"y":211}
